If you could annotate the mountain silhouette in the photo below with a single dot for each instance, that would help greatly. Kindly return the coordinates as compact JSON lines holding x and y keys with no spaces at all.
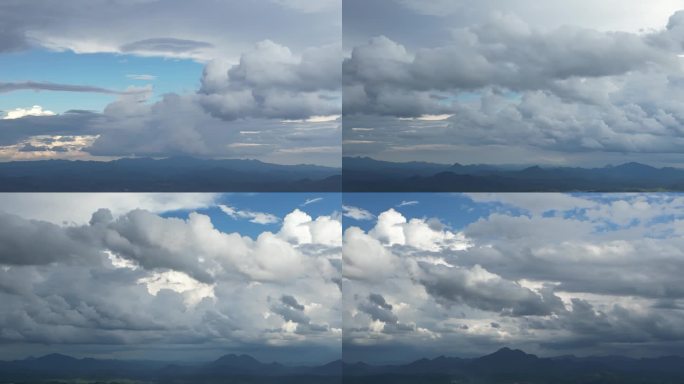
{"x":364,"y":174}
{"x":228,"y":368}
{"x":175,"y":174}
{"x":508,"y":365}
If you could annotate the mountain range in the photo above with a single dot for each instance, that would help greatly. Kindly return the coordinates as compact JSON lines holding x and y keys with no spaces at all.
{"x":515,"y":366}
{"x":364,"y":174}
{"x":175,"y":174}
{"x":226,"y":369}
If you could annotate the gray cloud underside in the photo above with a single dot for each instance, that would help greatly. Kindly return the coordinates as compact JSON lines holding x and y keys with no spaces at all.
{"x":537,"y":279}
{"x":564,"y":95}
{"x":45,"y":86}
{"x":67,"y":291}
{"x":250,"y":83}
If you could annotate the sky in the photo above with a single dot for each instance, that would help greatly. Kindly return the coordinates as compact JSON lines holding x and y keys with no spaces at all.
{"x":580,"y":83}
{"x":107,"y":79}
{"x":178,"y":277}
{"x":463,"y":275}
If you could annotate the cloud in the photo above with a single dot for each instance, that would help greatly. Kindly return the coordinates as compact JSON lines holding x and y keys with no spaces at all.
{"x":405,"y":203}
{"x":6,"y":87}
{"x":481,"y":289}
{"x":249,"y":83}
{"x":213,"y":290}
{"x":300,"y":228}
{"x":356,"y":213}
{"x":270,"y":81}
{"x":307,"y":6}
{"x":18,"y":113}
{"x":497,"y":72}
{"x":311,"y":201}
{"x":580,"y":274}
{"x":78,"y":208}
{"x":142,"y":77}
{"x":254,"y":217}
{"x":165,"y":44}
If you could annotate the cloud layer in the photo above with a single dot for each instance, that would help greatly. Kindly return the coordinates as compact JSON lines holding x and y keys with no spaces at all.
{"x":262,"y":94}
{"x":557,"y":274}
{"x":507,"y":86}
{"x":138,"y":280}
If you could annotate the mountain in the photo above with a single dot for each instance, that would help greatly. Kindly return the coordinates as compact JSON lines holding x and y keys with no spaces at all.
{"x":228,"y":369}
{"x":175,"y":174}
{"x":363,"y":174}
{"x":515,"y":366}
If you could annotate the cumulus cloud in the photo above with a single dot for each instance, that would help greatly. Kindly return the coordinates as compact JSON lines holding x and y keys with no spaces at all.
{"x":580,"y":274}
{"x":270,"y":81}
{"x":499,"y":78}
{"x":36,"y":110}
{"x":106,"y":283}
{"x":250,"y":83}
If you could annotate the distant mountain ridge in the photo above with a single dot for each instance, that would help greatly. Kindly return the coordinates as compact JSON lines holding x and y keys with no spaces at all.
{"x":174,"y":174}
{"x":512,"y":365}
{"x":364,"y":174}
{"x":228,"y":367}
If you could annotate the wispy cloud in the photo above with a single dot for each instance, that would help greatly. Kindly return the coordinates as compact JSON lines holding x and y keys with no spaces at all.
{"x":311,"y":201}
{"x":6,"y":87}
{"x":356,"y":213}
{"x":253,"y":217}
{"x":407,"y":203}
{"x":141,"y":77}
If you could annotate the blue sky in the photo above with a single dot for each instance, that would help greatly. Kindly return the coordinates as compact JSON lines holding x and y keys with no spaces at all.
{"x":458,"y":210}
{"x":277,"y":204}
{"x":163,"y":78}
{"x":106,"y":70}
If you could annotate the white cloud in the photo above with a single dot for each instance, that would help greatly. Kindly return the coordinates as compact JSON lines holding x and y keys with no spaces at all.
{"x":356,"y":213}
{"x":18,"y":113}
{"x":143,"y":77}
{"x":140,"y":281}
{"x":311,"y":201}
{"x":254,"y":217}
{"x":78,"y":207}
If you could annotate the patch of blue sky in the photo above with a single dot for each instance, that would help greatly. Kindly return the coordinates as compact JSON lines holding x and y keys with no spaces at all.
{"x":454,"y":210}
{"x":458,"y":210}
{"x":105,"y":70}
{"x":277,"y":204}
